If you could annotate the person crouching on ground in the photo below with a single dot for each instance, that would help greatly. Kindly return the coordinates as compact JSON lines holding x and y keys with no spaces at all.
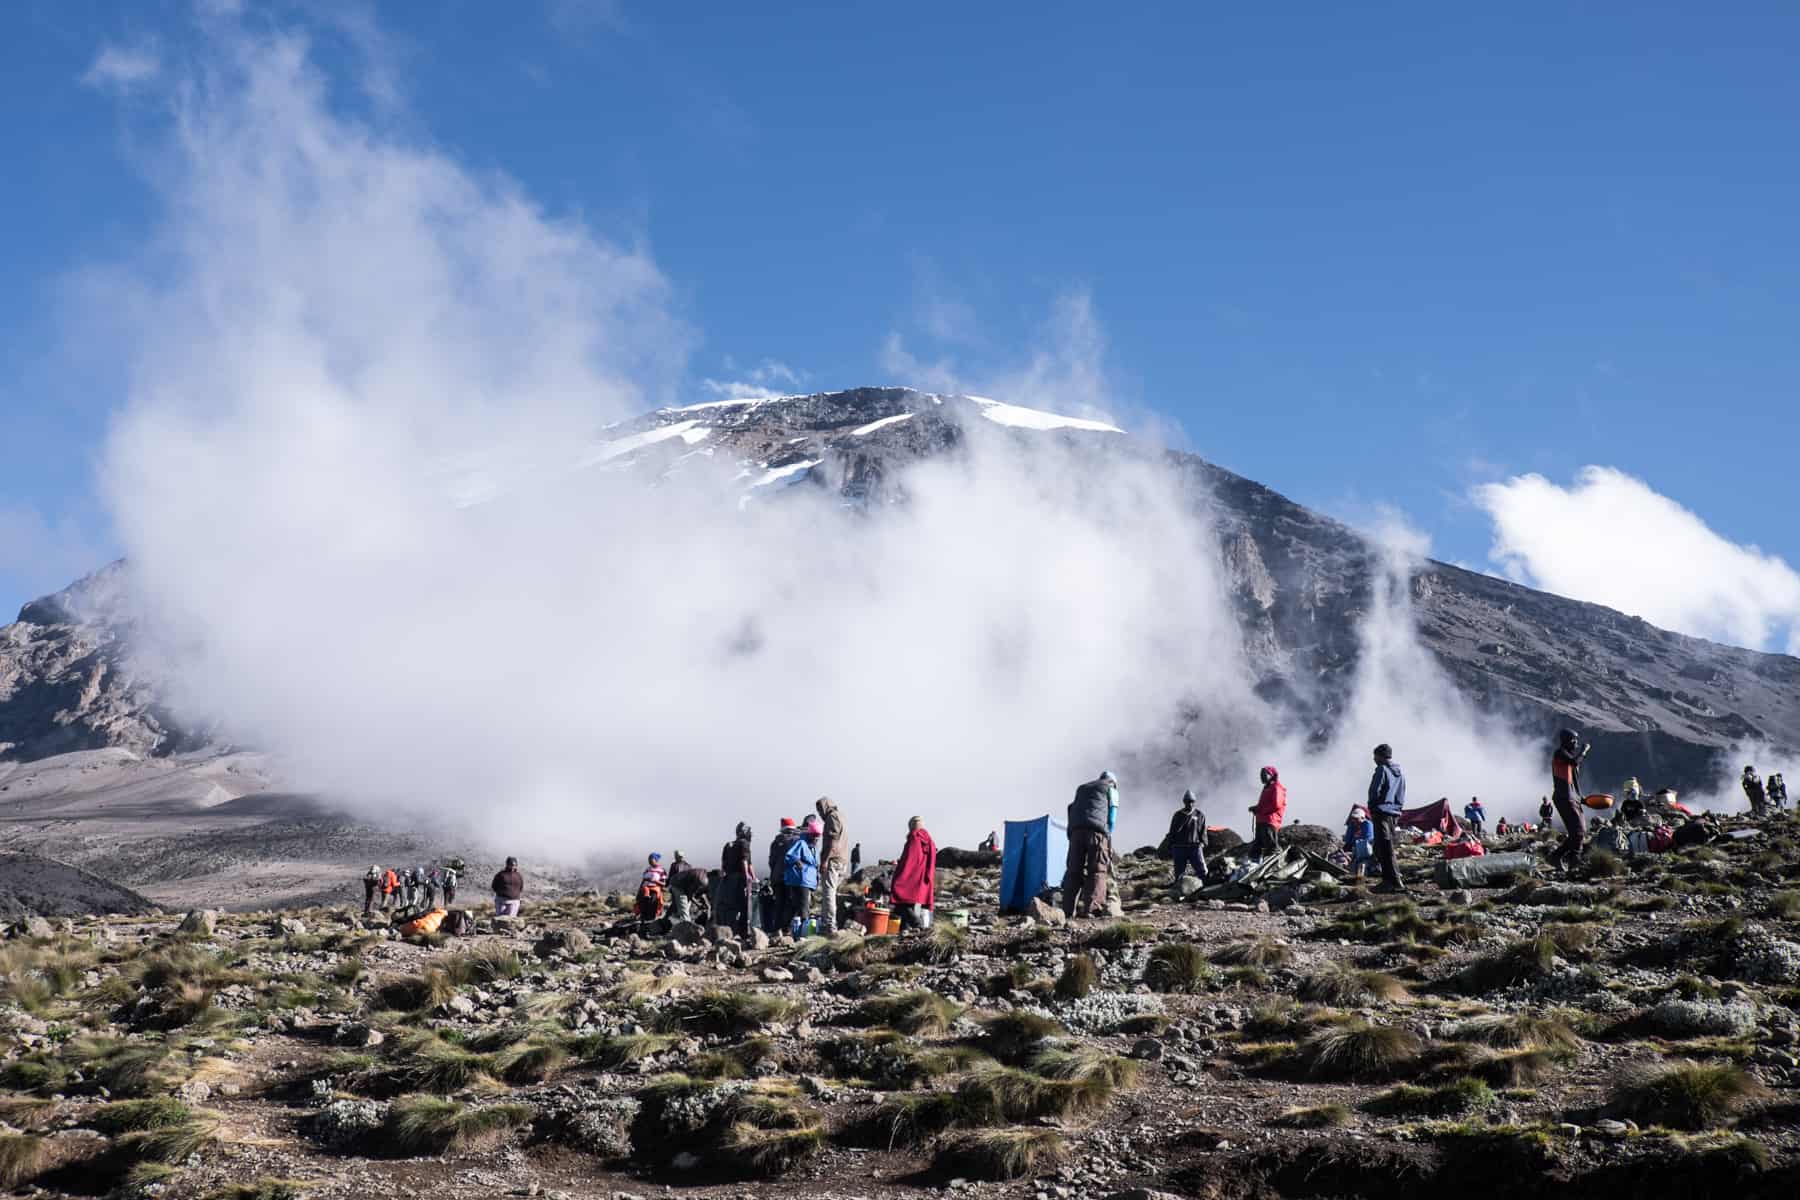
{"x":801,"y":876}
{"x":509,"y":887}
{"x":915,"y":877}
{"x":1359,"y":840}
{"x":1187,"y":839}
{"x":1269,"y":810}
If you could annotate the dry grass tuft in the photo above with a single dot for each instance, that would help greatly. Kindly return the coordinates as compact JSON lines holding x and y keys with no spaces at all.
{"x":1345,"y":986}
{"x":1684,"y":1094}
{"x":1360,"y":1050}
{"x":421,"y":1126}
{"x":1178,"y":967}
{"x":1000,"y":1154}
{"x":1078,"y":978}
{"x":911,"y":1012}
{"x":1257,"y":952}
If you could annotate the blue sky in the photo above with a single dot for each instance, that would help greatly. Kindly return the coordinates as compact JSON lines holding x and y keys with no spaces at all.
{"x":1369,"y":255}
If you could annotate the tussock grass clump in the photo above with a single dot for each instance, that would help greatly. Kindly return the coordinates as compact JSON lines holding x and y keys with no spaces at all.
{"x":1360,"y":1050}
{"x":1078,"y":978}
{"x":888,"y":1059}
{"x":1003,"y":1095}
{"x":1317,"y":1116}
{"x":845,"y":952}
{"x":1177,"y":967}
{"x":534,"y":1062}
{"x":1520,"y":1068}
{"x":1524,"y":1030}
{"x":1523,"y":961}
{"x":614,"y":1052}
{"x":1604,"y":864}
{"x":1684,"y":1094}
{"x":23,"y":1157}
{"x":485,"y":964}
{"x":168,"y":1143}
{"x":1011,"y":1035}
{"x":1346,"y":986}
{"x":427,"y":1063}
{"x":1017,"y":977}
{"x":1121,"y":934}
{"x":640,"y":985}
{"x":422,"y":1126}
{"x":735,"y":1062}
{"x":23,"y":1113}
{"x":263,"y":1189}
{"x":1457,"y":1098}
{"x":911,"y":1012}
{"x":909,"y":1119}
{"x":999,"y":1154}
{"x":130,"y":1116}
{"x":766,"y":1135}
{"x":126,"y":1068}
{"x":1257,"y":952}
{"x":1083,"y":1062}
{"x":1783,"y":906}
{"x":430,"y":988}
{"x":727,"y":1013}
{"x":942,"y":944}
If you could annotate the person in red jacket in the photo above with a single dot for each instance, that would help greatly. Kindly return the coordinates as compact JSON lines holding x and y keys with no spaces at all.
{"x":1269,"y":810}
{"x":915,"y":877}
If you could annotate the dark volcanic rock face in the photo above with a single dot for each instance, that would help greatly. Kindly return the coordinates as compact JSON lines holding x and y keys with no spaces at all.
{"x":1655,"y":703}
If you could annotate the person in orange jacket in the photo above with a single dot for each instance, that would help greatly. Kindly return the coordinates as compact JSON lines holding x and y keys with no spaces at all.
{"x":1269,"y":809}
{"x":390,"y":889}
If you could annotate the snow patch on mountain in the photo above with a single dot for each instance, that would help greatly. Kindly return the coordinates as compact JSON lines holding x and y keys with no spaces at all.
{"x":690,"y":432}
{"x":872,"y":426}
{"x":1033,"y":418}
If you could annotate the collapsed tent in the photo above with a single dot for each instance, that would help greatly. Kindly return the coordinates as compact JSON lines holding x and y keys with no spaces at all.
{"x":1034,"y":856}
{"x":1435,"y":816}
{"x":1251,"y":877}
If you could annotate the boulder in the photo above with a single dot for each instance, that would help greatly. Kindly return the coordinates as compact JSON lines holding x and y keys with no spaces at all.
{"x":287,"y":927}
{"x":201,"y":922}
{"x":1045,"y":914}
{"x":687,"y":933}
{"x":34,"y":927}
{"x":569,"y":943}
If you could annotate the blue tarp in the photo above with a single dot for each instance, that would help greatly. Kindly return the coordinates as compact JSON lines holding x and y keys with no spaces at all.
{"x":1034,"y":856}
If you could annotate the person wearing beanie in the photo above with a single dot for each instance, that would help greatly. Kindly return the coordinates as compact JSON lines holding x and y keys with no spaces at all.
{"x":800,"y":874}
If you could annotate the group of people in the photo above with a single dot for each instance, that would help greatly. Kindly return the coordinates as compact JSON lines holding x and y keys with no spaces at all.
{"x":808,"y":865}
{"x":1764,"y":796}
{"x":409,"y":888}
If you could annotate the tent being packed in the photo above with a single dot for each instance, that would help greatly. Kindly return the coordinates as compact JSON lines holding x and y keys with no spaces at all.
{"x":1033,"y":858}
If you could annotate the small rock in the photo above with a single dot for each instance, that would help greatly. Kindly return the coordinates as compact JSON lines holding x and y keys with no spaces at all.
{"x":1148,"y":1049}
{"x":776,"y":975}
{"x":1046,"y":914}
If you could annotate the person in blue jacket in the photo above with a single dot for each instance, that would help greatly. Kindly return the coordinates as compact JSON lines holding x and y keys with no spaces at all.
{"x":801,"y":876}
{"x":1387,"y":799}
{"x":1475,"y":816}
{"x":1359,"y":840}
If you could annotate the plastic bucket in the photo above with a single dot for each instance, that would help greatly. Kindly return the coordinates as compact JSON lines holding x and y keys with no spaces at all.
{"x":874,"y":918}
{"x":960,"y":918}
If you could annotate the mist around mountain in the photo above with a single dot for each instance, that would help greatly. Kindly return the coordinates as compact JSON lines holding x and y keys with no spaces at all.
{"x":1185,"y":622}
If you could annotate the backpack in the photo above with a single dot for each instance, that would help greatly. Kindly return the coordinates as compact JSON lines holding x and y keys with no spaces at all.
{"x":458,"y":924}
{"x":1661,"y":839}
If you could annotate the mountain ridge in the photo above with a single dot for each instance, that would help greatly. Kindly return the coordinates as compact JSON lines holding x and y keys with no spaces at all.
{"x":1658,"y":703}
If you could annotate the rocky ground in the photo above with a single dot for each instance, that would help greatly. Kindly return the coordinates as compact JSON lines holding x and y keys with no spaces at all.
{"x":1633,"y":1030}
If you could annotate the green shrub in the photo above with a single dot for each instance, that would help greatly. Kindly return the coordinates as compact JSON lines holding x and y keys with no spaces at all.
{"x":1457,"y":1098}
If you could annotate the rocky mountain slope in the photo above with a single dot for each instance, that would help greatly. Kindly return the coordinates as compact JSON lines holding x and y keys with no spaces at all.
{"x":1657,"y":704}
{"x":31,"y":886}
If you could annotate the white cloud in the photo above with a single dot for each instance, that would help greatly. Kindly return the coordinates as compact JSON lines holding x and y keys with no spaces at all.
{"x":122,"y":67}
{"x":1612,"y":539}
{"x":757,"y":382}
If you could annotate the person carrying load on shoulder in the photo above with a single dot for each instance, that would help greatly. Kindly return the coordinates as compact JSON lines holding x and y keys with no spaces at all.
{"x":1565,"y":794}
